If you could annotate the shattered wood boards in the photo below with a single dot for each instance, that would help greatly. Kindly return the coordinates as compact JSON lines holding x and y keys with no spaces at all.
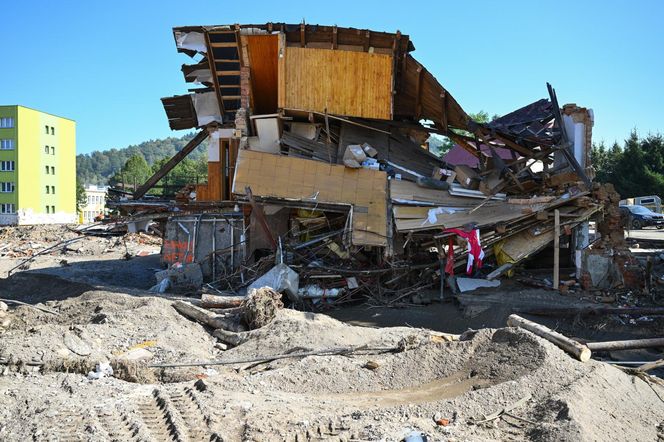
{"x":407,"y":192}
{"x":275,"y":176}
{"x":484,"y":216}
{"x":525,"y":243}
{"x":337,"y":82}
{"x":394,"y":148}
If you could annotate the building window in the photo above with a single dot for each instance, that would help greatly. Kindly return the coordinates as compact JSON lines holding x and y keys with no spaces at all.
{"x":7,"y":208}
{"x":46,"y":128}
{"x":52,"y":150}
{"x":48,"y":209}
{"x":46,"y":169}
{"x":47,"y":189}
{"x":6,"y":166}
{"x":52,"y":130}
{"x":7,"y":144}
{"x":52,"y":209}
{"x":53,"y":190}
{"x":6,"y":122}
{"x":6,"y":187}
{"x":46,"y":150}
{"x":52,"y":170}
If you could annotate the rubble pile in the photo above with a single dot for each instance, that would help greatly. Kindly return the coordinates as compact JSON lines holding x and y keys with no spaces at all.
{"x":346,"y":201}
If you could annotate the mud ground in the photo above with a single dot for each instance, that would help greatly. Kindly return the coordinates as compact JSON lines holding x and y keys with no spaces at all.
{"x":402,"y":378}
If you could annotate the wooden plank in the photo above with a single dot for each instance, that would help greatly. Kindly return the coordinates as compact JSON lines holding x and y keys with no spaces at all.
{"x":263,"y":60}
{"x":174,"y":161}
{"x":579,"y":351}
{"x":418,"y":92}
{"x":345,"y":83}
{"x":223,"y":157}
{"x":556,"y":250}
{"x":215,"y":79}
{"x":228,"y":73}
{"x":626,"y":345}
{"x":224,"y":45}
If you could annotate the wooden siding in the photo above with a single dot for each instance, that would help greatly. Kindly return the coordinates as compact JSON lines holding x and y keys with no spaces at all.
{"x":263,"y":56}
{"x":345,"y":83}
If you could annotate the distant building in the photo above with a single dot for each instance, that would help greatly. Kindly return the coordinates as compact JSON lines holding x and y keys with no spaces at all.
{"x":95,"y":203}
{"x":37,"y":167}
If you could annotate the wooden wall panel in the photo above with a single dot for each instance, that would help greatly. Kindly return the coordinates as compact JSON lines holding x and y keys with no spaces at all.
{"x":263,"y":56}
{"x":346,"y":83}
{"x":279,"y":176}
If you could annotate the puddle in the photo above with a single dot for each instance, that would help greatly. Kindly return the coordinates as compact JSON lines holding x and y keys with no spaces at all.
{"x":443,"y":388}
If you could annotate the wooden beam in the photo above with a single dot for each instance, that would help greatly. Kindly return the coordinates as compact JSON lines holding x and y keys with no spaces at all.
{"x":579,"y":351}
{"x":223,"y":149}
{"x":210,"y":57}
{"x":556,"y":250}
{"x":461,"y":141}
{"x":367,"y":38}
{"x":511,"y":144}
{"x":223,"y":45}
{"x":443,"y":96}
{"x":174,"y":161}
{"x":303,"y":41}
{"x":418,"y":92}
{"x":238,"y":41}
{"x":334,"y":38}
{"x":260,"y":215}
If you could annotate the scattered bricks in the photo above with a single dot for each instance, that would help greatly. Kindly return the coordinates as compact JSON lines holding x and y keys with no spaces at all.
{"x":542,"y":216}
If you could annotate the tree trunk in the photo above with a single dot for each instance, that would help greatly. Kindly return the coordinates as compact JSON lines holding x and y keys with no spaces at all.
{"x":579,"y":351}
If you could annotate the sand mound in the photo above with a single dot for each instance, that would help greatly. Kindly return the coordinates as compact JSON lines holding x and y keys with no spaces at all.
{"x":102,"y":326}
{"x":316,"y":397}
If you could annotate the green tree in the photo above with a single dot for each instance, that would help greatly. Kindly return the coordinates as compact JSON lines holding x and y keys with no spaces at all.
{"x":637,"y":169}
{"x":134,"y":172}
{"x":81,"y":198}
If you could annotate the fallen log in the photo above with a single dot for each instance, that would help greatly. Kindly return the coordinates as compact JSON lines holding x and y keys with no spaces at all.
{"x":203,"y":316}
{"x":232,"y":338}
{"x":651,"y":365}
{"x":215,"y":301}
{"x":589,"y":311}
{"x":579,"y":351}
{"x":625,"y":345}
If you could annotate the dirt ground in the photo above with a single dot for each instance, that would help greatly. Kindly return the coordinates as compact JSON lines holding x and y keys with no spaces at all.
{"x":398,"y":381}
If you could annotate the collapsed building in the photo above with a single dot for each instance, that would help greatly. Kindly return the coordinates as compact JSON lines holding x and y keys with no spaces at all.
{"x":321,"y":180}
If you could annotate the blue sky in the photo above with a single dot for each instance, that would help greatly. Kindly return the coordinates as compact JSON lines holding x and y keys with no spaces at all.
{"x":107,"y":64}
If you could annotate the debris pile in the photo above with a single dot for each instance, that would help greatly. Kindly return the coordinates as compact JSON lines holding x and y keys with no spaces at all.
{"x":340,"y":196}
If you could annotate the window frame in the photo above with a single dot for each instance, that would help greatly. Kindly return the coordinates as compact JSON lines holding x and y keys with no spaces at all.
{"x":6,"y":122}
